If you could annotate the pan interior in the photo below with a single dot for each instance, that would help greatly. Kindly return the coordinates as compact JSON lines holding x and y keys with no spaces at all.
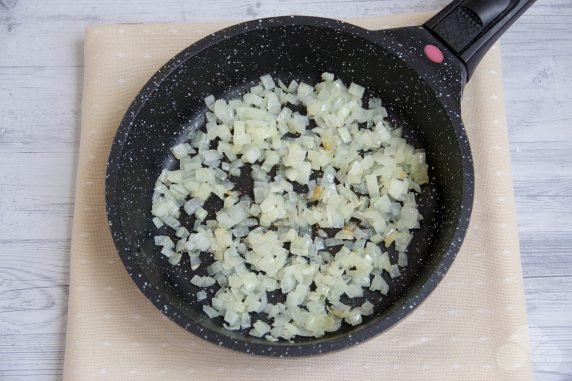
{"x":227,"y":69}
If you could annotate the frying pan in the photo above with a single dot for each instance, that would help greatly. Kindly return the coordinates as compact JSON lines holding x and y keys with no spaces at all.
{"x":418,"y":72}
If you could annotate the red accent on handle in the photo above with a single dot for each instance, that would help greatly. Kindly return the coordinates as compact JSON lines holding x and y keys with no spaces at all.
{"x":434,"y":54}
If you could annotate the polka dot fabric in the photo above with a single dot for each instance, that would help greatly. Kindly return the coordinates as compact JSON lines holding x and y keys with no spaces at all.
{"x":472,"y":327}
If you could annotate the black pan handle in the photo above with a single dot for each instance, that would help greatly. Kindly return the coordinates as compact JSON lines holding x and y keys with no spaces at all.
{"x":470,"y":27}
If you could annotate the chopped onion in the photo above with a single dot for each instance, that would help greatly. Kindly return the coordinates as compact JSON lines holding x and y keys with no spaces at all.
{"x":356,"y":90}
{"x":211,"y":312}
{"x":348,"y":171}
{"x":267,"y":82}
{"x":193,"y":205}
{"x":201,"y":214}
{"x":210,"y":100}
{"x":202,"y":281}
{"x":201,"y":295}
{"x":157,"y":221}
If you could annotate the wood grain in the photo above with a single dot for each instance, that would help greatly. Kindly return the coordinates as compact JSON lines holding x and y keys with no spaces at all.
{"x":41,"y":67}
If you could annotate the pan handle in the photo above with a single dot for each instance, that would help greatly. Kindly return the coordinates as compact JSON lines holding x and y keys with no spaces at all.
{"x":470,"y":27}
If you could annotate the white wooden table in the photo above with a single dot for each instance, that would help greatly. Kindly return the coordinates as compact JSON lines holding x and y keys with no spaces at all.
{"x":41,"y":68}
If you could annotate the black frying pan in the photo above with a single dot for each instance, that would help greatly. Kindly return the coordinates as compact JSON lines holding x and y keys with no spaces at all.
{"x":418,"y":72}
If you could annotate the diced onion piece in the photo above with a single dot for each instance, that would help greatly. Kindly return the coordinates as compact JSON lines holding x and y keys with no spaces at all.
{"x":210,"y":100}
{"x":356,"y":90}
{"x":267,"y":82}
{"x":394,"y":271}
{"x":372,"y":186}
{"x":193,"y":205}
{"x":201,"y":295}
{"x":251,"y":154}
{"x":327,"y":77}
{"x":240,"y":137}
{"x":157,"y":221}
{"x":164,"y":241}
{"x":179,"y":151}
{"x":202,"y":281}
{"x":211,"y":312}
{"x":201,"y":214}
{"x":345,"y":135}
{"x":396,"y":188}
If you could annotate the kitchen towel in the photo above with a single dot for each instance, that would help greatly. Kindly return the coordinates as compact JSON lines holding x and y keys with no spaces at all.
{"x":472,"y":327}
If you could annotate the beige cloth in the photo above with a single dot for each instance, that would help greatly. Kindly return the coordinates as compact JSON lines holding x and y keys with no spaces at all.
{"x":473,"y":326}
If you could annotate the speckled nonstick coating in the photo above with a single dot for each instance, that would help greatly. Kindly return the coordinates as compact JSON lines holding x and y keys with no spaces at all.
{"x":421,"y":96}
